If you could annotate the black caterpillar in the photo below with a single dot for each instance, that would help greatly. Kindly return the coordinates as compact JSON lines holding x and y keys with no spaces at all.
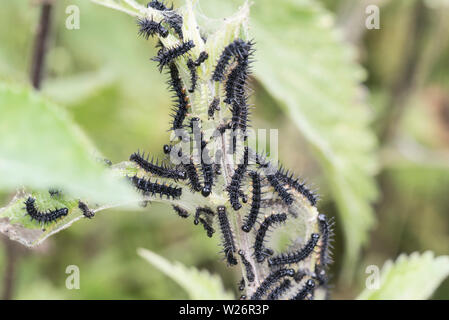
{"x":326,"y":237}
{"x":85,"y":210}
{"x":259,"y":250}
{"x":193,"y":75}
{"x":153,"y":188}
{"x":207,"y":222}
{"x":207,"y":226}
{"x":175,"y":21}
{"x":192,"y":175}
{"x":43,"y":217}
{"x":242,"y":284}
{"x":248,"y":267}
{"x":270,"y":280}
{"x":238,"y":49}
{"x":182,"y":100}
{"x":149,"y":28}
{"x":165,"y":56}
{"x":295,"y":183}
{"x":181,"y":212}
{"x":228,"y":237}
{"x":279,"y":188}
{"x":214,"y":106}
{"x":305,"y":291}
{"x":156,"y":169}
{"x":54,"y":192}
{"x":234,"y":187}
{"x":192,"y":65}
{"x":255,"y":204}
{"x":158,"y":5}
{"x":294,"y":257}
{"x":280,"y":290}
{"x":208,"y":171}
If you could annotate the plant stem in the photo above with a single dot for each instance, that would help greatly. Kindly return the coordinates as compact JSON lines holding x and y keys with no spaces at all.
{"x":40,"y":45}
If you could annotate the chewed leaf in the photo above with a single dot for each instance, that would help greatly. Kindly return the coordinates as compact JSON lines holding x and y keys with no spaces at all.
{"x":41,"y":148}
{"x":17,"y":223}
{"x":199,"y":284}
{"x":413,"y":277}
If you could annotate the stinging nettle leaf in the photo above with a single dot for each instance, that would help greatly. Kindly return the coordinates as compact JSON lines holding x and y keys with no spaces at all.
{"x":199,"y":284}
{"x":42,"y":148}
{"x":413,"y":277}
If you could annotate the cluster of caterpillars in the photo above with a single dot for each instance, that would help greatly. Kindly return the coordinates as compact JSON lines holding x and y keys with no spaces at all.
{"x":254,"y":179}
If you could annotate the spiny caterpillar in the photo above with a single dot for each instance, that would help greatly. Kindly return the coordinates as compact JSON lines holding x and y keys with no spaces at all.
{"x":165,"y":56}
{"x":242,"y":284}
{"x":43,"y":217}
{"x":294,"y":257}
{"x":182,"y":100}
{"x":280,"y":290}
{"x":270,"y":280}
{"x":192,"y":174}
{"x":158,"y":5}
{"x":306,"y":292}
{"x":295,"y":183}
{"x":214,"y":106}
{"x":277,"y":184}
{"x":249,"y":268}
{"x":181,"y":212}
{"x":259,"y":249}
{"x":85,"y":210}
{"x":238,"y":49}
{"x":255,"y":204}
{"x":207,"y":221}
{"x":156,"y":169}
{"x":228,"y":237}
{"x":149,"y":28}
{"x":208,"y":171}
{"x":192,"y":65}
{"x":152,"y":188}
{"x":326,"y":237}
{"x":234,"y":187}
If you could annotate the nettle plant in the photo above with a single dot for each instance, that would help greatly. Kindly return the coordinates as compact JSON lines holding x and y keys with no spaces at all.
{"x":266,"y":217}
{"x":213,"y":172}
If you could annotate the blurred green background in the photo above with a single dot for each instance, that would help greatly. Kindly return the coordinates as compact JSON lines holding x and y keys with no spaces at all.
{"x":102,"y":75}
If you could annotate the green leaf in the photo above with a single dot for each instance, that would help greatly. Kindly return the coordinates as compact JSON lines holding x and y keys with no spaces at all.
{"x":410,"y":277}
{"x":199,"y":284}
{"x":127,"y":6}
{"x":305,"y":66}
{"x":76,"y":88}
{"x":41,"y":148}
